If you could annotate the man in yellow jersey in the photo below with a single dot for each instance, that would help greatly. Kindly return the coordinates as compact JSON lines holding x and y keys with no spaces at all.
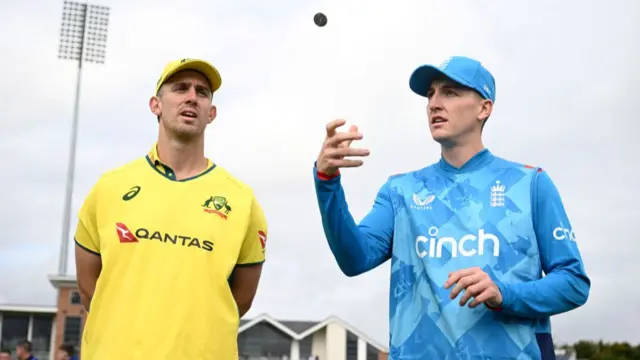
{"x":169,"y":247}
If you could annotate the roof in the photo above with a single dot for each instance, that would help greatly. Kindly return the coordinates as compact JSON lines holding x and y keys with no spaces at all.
{"x":299,"y":330}
{"x":297,"y":327}
{"x":65,"y":281}
{"x":28,"y":308}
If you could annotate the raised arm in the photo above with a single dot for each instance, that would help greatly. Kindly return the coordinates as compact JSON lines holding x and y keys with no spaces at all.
{"x":246,"y":275}
{"x":356,"y":248}
{"x":87,"y":250}
{"x":566,"y":284}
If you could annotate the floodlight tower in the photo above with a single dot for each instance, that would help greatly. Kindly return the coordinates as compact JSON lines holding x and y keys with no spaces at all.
{"x":83,"y":38}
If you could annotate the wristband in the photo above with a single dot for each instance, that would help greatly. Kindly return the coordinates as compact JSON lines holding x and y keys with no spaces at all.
{"x":325,"y":177}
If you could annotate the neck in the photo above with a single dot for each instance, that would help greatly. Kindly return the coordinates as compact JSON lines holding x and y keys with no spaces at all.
{"x":458,"y":155}
{"x":185,"y":158}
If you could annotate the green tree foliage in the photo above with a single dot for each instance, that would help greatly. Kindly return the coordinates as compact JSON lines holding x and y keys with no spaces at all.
{"x":590,"y":350}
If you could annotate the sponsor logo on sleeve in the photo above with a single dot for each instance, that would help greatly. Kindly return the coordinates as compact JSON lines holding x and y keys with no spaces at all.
{"x":263,"y":239}
{"x":561,"y":233}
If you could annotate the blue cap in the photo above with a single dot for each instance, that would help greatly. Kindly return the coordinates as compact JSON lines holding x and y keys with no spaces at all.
{"x":463,"y":70}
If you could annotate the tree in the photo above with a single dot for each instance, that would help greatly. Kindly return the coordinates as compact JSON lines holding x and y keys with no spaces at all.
{"x":606,"y":351}
{"x":585,"y":349}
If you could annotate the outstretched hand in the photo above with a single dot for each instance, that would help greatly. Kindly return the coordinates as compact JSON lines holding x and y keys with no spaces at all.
{"x":337,"y":146}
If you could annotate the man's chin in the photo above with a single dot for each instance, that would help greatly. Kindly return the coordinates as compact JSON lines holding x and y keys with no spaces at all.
{"x":440,"y":138}
{"x":187,"y":132}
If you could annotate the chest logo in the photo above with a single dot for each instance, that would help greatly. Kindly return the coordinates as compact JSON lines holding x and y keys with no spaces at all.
{"x":422,"y":203}
{"x":133,"y":192}
{"x":217,"y":205}
{"x":497,"y":195}
{"x":124,"y":234}
{"x":467,"y":245}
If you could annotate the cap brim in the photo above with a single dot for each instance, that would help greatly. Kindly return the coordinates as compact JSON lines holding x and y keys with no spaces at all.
{"x":208,"y":70}
{"x":422,"y":77}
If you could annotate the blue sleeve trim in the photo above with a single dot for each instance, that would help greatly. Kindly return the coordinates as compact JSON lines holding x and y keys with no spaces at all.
{"x":545,"y":343}
{"x":534,"y":197}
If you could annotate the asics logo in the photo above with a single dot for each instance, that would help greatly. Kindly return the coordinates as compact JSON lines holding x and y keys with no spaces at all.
{"x":133,"y":192}
{"x":468,"y":245}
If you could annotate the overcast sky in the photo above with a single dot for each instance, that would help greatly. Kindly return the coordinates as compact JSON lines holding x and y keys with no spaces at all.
{"x":567,"y":86}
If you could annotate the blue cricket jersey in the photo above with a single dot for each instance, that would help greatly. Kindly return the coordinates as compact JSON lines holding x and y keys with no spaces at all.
{"x":503,"y":217}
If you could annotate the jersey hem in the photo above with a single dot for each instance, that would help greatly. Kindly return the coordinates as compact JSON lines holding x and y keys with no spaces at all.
{"x":251,"y":264}
{"x":86,"y":248}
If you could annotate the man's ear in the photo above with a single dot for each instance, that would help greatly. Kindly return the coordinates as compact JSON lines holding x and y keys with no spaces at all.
{"x":213,"y":112}
{"x":485,"y":110}
{"x":155,"y":105}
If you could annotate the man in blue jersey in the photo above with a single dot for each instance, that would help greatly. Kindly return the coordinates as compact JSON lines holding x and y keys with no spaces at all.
{"x":482,"y":251}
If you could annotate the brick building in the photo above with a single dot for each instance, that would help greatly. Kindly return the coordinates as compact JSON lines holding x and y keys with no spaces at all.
{"x":330,"y":339}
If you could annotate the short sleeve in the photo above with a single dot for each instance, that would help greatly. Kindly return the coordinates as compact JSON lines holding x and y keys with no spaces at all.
{"x":255,"y":240}
{"x":87,"y":230}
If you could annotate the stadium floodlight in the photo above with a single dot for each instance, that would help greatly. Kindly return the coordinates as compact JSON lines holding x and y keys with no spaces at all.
{"x":83,"y":38}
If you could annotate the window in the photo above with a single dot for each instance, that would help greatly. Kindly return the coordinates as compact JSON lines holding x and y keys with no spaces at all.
{"x":352,"y":347}
{"x":305,"y":347}
{"x":41,"y":335}
{"x":41,"y":332}
{"x":15,"y":327}
{"x":372,"y":353}
{"x":263,"y":339}
{"x":72,"y":330}
{"x":74,"y":298}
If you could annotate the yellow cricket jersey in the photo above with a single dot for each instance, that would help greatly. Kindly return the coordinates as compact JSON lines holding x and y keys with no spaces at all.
{"x":168,"y":248}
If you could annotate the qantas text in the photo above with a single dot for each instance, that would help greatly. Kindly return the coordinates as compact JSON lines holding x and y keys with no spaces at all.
{"x":181,"y":240}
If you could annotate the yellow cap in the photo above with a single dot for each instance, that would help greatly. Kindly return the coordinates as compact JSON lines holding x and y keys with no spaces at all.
{"x":202,"y":66}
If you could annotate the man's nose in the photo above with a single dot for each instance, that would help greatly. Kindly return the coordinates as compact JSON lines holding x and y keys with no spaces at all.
{"x":435,"y":103}
{"x":191,"y":94}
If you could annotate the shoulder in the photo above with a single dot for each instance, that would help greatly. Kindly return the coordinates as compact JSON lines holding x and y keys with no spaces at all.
{"x":120,"y":174}
{"x":411,"y":177}
{"x":223,"y":178}
{"x":236,"y":192}
{"x":541,"y":183}
{"x":421,"y":183}
{"x":501,"y":163}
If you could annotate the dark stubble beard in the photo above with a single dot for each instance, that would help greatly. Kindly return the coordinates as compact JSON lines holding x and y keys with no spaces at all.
{"x":183,"y":135}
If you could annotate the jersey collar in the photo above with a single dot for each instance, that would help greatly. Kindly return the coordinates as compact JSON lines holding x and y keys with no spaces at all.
{"x":479,"y":160}
{"x":165,"y":170}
